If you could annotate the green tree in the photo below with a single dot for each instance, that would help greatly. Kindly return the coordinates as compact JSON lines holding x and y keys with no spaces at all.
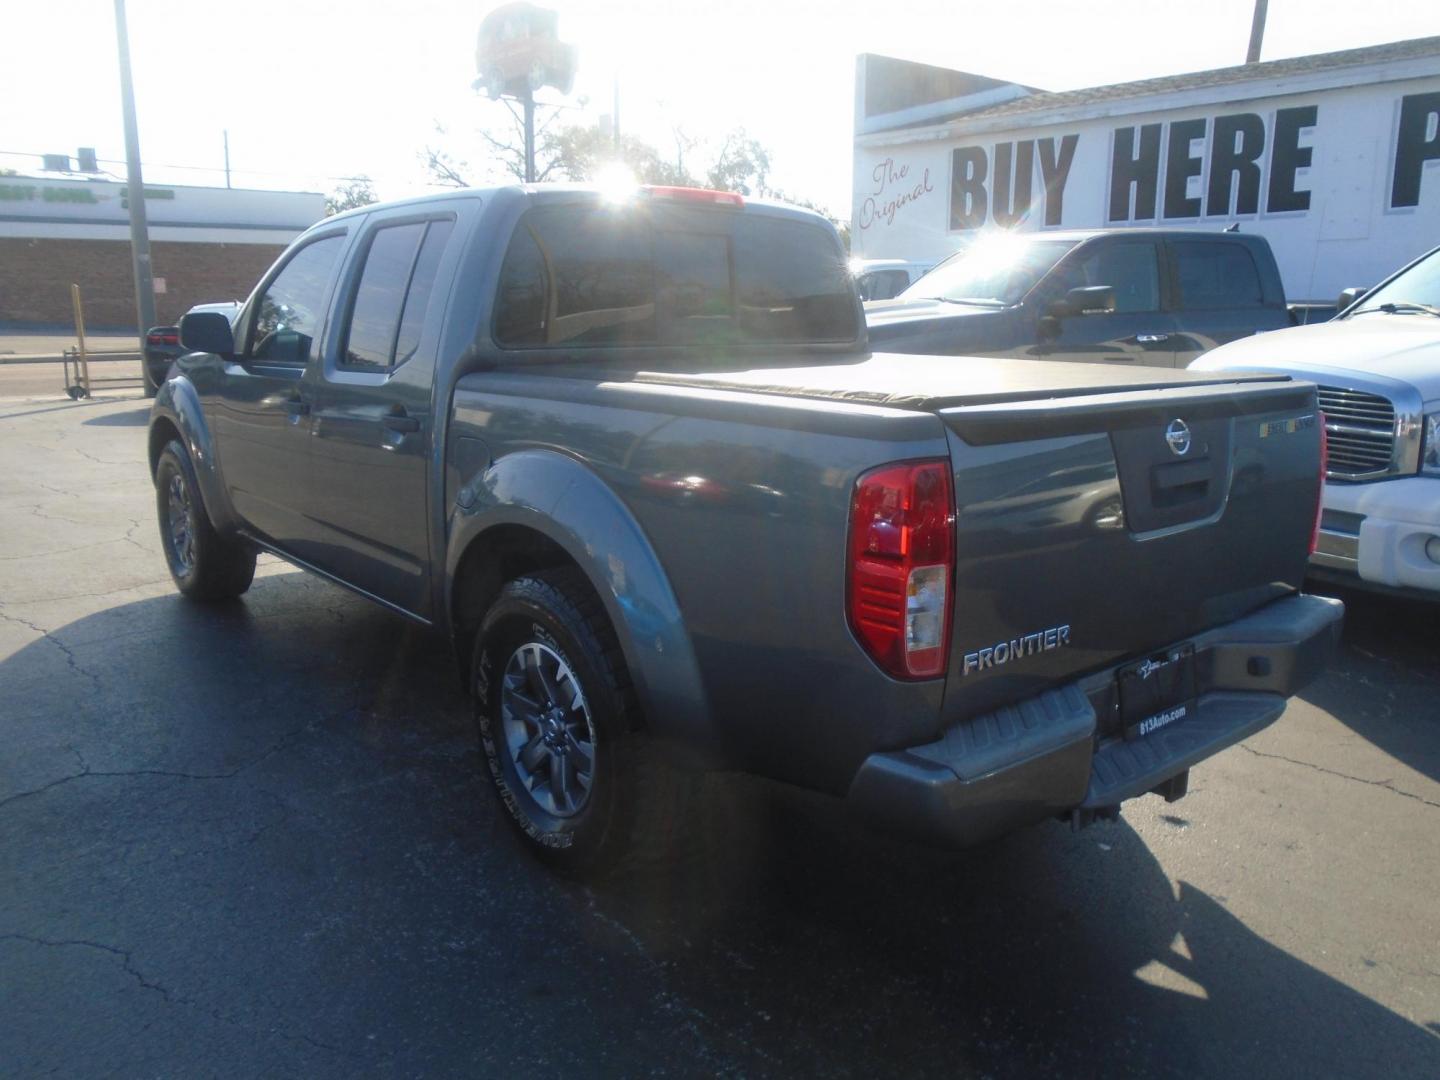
{"x":356,"y":191}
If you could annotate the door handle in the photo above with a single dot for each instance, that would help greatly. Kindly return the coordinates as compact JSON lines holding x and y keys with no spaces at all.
{"x":1151,"y":339}
{"x":296,"y":407}
{"x":401,"y":422}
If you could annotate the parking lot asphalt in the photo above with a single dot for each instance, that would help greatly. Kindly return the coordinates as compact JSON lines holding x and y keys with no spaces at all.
{"x":255,"y":839}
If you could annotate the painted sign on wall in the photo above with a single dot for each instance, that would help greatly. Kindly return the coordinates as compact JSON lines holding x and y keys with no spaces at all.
{"x":1343,"y":170}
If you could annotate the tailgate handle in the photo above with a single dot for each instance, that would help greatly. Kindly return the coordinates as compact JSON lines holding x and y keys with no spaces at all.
{"x":1179,"y":482}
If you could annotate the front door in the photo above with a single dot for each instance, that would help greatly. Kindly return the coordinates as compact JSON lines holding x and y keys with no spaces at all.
{"x":261,"y":409}
{"x":374,"y":422}
{"x":1138,"y":331}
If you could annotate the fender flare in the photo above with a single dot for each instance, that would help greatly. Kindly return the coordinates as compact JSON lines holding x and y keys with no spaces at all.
{"x":178,"y":402}
{"x":562,"y":499}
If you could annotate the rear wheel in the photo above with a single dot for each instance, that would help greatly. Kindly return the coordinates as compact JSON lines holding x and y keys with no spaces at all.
{"x":203,"y":564}
{"x":559,"y":727}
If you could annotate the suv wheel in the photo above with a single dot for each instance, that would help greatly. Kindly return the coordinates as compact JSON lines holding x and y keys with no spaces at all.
{"x":559,"y":727}
{"x":203,"y":564}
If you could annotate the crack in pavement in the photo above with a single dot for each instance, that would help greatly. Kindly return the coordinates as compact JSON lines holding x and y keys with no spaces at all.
{"x":170,"y":997}
{"x":1388,"y":785}
{"x":70,"y":659}
{"x":86,"y":771}
{"x":124,"y":955}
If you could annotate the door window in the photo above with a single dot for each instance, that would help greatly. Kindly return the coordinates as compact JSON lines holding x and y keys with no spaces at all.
{"x":290,"y":312}
{"x":1216,"y":276}
{"x":388,"y":310}
{"x":1132,"y":270}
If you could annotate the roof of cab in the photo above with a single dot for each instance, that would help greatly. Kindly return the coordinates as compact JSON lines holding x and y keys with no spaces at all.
{"x":547,"y":193}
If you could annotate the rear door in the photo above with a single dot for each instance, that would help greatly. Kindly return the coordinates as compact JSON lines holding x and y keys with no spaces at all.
{"x":1219,"y":296}
{"x":374,"y":417}
{"x":1138,"y":331}
{"x":261,"y":408}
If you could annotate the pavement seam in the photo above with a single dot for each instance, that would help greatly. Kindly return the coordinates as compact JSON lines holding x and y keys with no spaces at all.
{"x":86,"y":771}
{"x":1388,"y":785}
{"x":171,"y":998}
{"x":70,"y":658}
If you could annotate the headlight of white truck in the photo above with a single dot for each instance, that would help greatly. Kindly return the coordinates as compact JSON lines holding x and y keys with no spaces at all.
{"x":1430,"y":454}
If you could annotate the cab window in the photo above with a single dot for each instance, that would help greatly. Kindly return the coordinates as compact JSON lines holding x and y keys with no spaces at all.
{"x":292,"y":308}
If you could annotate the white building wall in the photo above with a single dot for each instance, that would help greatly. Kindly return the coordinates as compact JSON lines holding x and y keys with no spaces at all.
{"x":910,"y":203}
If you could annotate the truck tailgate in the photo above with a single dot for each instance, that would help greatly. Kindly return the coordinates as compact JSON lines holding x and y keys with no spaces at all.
{"x":1097,"y":528}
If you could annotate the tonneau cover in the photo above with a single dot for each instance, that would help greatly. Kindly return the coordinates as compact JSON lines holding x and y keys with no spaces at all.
{"x":934,"y":382}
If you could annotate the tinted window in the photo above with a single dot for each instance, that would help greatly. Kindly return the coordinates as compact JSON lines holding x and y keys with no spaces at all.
{"x":290,"y":312}
{"x":883,"y":284}
{"x":1217,"y":276}
{"x":1132,"y":270}
{"x":375,"y":315}
{"x":390,"y":302}
{"x":601,"y":276}
{"x":422,"y":284}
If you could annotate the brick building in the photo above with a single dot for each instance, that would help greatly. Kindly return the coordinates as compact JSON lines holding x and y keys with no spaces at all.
{"x":206,"y":244}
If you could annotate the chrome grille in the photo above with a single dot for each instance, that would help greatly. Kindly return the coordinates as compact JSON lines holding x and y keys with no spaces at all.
{"x":1360,"y":428}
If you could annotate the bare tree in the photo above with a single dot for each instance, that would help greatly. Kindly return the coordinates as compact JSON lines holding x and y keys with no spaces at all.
{"x":353,"y":192}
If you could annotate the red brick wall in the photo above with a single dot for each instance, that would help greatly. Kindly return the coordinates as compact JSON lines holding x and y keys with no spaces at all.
{"x":35,"y":277}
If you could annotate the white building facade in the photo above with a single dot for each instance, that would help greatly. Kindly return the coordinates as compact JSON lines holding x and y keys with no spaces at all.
{"x":1334,"y":159}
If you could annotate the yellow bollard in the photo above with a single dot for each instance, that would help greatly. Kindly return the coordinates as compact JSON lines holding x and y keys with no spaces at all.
{"x":82,"y":364}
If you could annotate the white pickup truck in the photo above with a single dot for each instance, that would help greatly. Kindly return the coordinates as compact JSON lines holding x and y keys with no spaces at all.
{"x":1377,"y":365}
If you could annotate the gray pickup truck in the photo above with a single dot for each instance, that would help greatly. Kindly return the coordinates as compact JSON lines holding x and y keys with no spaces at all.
{"x":1155,"y":297}
{"x":636,"y":459}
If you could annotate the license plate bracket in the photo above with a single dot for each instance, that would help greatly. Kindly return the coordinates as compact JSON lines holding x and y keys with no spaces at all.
{"x":1157,"y":691}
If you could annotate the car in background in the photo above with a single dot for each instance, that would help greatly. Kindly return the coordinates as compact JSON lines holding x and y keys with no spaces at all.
{"x":163,"y":348}
{"x":882,"y":279}
{"x":1377,"y":365}
{"x":1151,"y":297}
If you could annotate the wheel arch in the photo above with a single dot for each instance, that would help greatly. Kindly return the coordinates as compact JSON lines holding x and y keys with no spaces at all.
{"x":540,"y":509}
{"x":177,"y":414}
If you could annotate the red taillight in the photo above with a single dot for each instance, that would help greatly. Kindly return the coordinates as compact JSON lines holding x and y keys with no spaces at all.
{"x":691,"y":194}
{"x":902,"y":555}
{"x":167,"y":337}
{"x":1320,"y":491}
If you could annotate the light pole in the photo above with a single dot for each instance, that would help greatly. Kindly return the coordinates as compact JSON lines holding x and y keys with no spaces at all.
{"x":1257,"y":32}
{"x":139,"y":228}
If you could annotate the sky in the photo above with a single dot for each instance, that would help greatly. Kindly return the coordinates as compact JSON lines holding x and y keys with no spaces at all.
{"x":312,"y":91}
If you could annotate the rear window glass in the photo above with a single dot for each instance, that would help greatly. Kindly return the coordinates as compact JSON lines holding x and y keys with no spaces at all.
{"x":586,"y":275}
{"x":1217,"y":276}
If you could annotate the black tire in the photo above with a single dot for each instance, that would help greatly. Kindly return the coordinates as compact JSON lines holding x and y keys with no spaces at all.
{"x":203,"y":564}
{"x":629,"y":811}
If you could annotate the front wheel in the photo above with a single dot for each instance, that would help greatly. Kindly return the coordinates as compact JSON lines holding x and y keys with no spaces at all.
{"x":203,"y":564}
{"x":559,"y":727}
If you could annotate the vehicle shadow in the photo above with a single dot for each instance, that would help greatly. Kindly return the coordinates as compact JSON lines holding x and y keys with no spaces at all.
{"x":130,"y":418}
{"x":1385,"y":636}
{"x":1042,"y":953}
{"x":275,"y":811}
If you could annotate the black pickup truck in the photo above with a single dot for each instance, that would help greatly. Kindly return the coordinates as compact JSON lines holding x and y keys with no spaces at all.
{"x":1139,"y":296}
{"x":636,"y":459}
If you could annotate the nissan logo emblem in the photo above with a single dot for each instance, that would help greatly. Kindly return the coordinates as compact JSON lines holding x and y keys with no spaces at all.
{"x":1177,"y":437}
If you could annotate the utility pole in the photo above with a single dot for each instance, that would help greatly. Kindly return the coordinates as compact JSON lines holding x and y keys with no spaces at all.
{"x":529,"y":102}
{"x":1257,"y":32}
{"x":139,"y":230}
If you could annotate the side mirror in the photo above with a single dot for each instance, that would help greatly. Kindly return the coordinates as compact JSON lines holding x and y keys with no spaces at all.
{"x":1349,"y":296}
{"x":1087,"y":300}
{"x":207,"y":331}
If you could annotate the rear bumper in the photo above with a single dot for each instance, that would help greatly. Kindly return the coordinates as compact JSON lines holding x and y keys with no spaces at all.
{"x":1379,"y":532}
{"x":1057,"y":753}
